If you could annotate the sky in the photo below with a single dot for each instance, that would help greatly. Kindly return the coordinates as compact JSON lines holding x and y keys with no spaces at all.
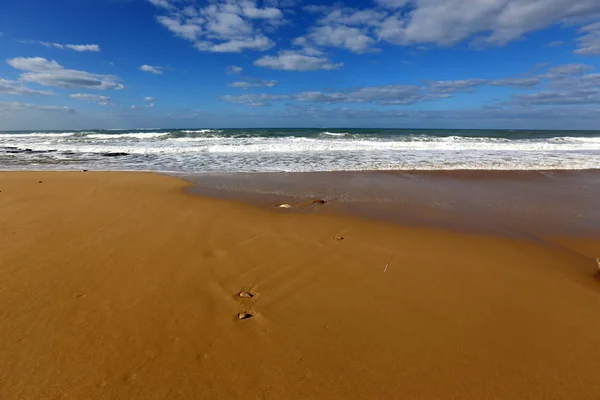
{"x":458,"y":64}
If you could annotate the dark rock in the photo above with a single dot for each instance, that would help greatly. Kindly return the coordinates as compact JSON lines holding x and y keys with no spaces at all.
{"x":114,"y":154}
{"x":40,"y":182}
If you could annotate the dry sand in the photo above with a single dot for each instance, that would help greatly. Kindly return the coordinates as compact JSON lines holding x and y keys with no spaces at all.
{"x":122,"y":286}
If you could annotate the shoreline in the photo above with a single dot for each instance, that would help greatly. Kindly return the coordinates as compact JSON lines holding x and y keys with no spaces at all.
{"x":126,"y":286}
{"x":543,"y":202}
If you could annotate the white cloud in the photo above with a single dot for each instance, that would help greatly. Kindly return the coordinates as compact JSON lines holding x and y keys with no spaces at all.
{"x":17,"y":107}
{"x":296,"y":61}
{"x":346,"y":37}
{"x":151,"y":69}
{"x":83,"y":47}
{"x":16,"y":88}
{"x":222,"y":26}
{"x":352,"y":17}
{"x":235,"y":46}
{"x":234,"y":69}
{"x":151,"y":105}
{"x":516,"y":82}
{"x":392,"y":3}
{"x":464,"y":85}
{"x":102,"y":100}
{"x":570,"y":97}
{"x":254,"y":100}
{"x":566,"y":70}
{"x":384,"y":94}
{"x":148,"y":98}
{"x":161,"y":3}
{"x":252,"y":84}
{"x":589,"y":43}
{"x":251,"y":11}
{"x":76,"y":47}
{"x":50,"y":73}
{"x":446,"y":22}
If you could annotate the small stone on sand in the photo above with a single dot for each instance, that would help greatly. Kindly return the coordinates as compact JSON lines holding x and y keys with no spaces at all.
{"x":285,"y":206}
{"x":339,"y":238}
{"x":246,"y":295}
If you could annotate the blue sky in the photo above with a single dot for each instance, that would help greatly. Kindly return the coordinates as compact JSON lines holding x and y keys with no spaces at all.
{"x":72,"y":64}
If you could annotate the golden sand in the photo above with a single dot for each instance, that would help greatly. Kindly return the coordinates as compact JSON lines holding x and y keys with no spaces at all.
{"x":122,"y":286}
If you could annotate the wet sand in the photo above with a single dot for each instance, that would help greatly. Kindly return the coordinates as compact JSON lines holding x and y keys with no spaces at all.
{"x":125,"y":286}
{"x":516,"y":203}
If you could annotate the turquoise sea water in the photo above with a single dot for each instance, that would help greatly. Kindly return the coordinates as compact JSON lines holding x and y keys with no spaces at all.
{"x":262,"y":150}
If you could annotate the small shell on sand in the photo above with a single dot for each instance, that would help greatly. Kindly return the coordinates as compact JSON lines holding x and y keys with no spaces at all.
{"x":285,"y":206}
{"x":246,"y":295}
{"x":339,"y":238}
{"x":245,"y":315}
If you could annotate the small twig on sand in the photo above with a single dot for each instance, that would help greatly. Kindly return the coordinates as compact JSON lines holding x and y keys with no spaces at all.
{"x":386,"y":267}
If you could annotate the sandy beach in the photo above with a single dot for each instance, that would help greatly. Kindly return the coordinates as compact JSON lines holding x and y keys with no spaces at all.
{"x":126,"y":286}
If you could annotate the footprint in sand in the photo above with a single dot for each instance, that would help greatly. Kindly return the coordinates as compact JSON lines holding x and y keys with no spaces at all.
{"x":245,"y":315}
{"x":246,"y":295}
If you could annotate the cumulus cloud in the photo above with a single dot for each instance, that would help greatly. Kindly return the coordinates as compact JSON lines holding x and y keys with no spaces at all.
{"x":234,"y":69}
{"x":148,"y":98}
{"x":515,"y":82}
{"x":17,"y":107}
{"x":289,"y":60}
{"x":589,"y":43}
{"x":76,"y":47}
{"x":253,"y":84}
{"x":151,"y":69}
{"x":342,"y":36}
{"x":50,"y":73}
{"x":446,"y":22}
{"x":259,"y":42}
{"x":384,"y":94}
{"x":102,"y":100}
{"x":570,"y":97}
{"x":16,"y":88}
{"x":254,"y":100}
{"x":161,"y":3}
{"x":222,"y":26}
{"x":465,"y":85}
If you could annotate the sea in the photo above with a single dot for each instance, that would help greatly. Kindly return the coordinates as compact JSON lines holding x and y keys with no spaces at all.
{"x":298,"y":150}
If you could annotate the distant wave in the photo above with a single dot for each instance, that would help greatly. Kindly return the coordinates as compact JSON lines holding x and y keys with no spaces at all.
{"x":335,"y":133}
{"x":231,"y":150}
{"x":137,"y":135}
{"x":36,"y":134}
{"x":202,"y":131}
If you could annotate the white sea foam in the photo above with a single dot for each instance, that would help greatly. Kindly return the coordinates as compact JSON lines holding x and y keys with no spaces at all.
{"x":137,"y":135}
{"x":335,"y":133}
{"x":247,"y":152}
{"x":203,"y":131}
{"x":36,"y":135}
